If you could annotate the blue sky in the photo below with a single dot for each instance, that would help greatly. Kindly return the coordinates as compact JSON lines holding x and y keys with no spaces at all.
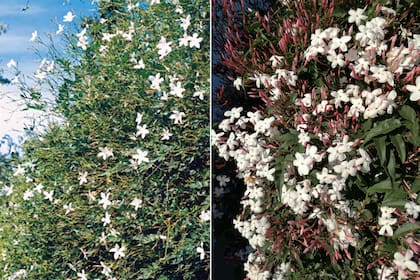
{"x":23,"y":17}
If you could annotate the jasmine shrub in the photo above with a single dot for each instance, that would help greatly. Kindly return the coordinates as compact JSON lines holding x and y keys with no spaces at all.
{"x":331,"y":157}
{"x":117,"y":187}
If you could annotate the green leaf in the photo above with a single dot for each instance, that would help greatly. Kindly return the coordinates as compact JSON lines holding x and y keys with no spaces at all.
{"x":381,"y":187}
{"x":380,"y":146}
{"x":406,"y":228}
{"x":396,"y":198}
{"x":382,"y":127}
{"x":415,"y":187}
{"x":388,"y":247}
{"x":391,"y":167}
{"x":399,"y":144}
{"x":408,"y":113}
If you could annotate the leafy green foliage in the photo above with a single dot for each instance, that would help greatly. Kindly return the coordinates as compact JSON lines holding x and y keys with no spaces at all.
{"x":92,"y":201}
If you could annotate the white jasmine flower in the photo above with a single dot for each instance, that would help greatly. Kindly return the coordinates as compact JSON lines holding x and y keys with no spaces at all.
{"x":205,"y":216}
{"x":105,"y":153}
{"x":164,"y":48}
{"x":142,"y":131}
{"x":412,"y":209}
{"x":139,"y":118}
{"x":415,"y":90}
{"x":49,"y":195}
{"x":199,"y":94}
{"x":82,"y":275}
{"x":83,"y":178}
{"x":166,"y":134}
{"x":140,"y":156}
{"x":185,"y":22}
{"x":139,"y":65}
{"x":68,"y":17}
{"x":237,"y":83}
{"x":28,"y":194}
{"x":357,"y":16}
{"x":177,"y":116}
{"x":404,"y":262}
{"x":136,"y":203}
{"x":11,"y":64}
{"x":156,"y":80}
{"x":105,"y":200}
{"x":119,"y":252}
{"x":223,"y":180}
{"x":60,"y":29}
{"x":19,"y":170}
{"x":339,"y":43}
{"x":195,"y":41}
{"x":201,"y":251}
{"x":68,"y":208}
{"x":385,"y":221}
{"x":184,"y":40}
{"x":176,"y":89}
{"x":106,"y":270}
{"x":384,"y":273}
{"x":107,"y":219}
{"x":233,"y":114}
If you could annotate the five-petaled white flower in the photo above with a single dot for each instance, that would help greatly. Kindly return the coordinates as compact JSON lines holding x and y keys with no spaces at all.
{"x":415,"y":90}
{"x":223,"y":180}
{"x":28,"y":194}
{"x":166,"y":134}
{"x":107,"y":219}
{"x":105,"y":200}
{"x":140,"y":156}
{"x":184,"y":40}
{"x":237,"y":83}
{"x":139,"y":118}
{"x":82,"y":275}
{"x":60,"y":29}
{"x":19,"y":171}
{"x":105,"y":153}
{"x":356,"y":16}
{"x":195,"y":41}
{"x":404,"y":262}
{"x":199,"y":94}
{"x":164,"y":48}
{"x":177,"y":116}
{"x":69,"y":17}
{"x":48,"y":195}
{"x":11,"y":64}
{"x":386,"y":221}
{"x":106,"y":270}
{"x":201,"y":251}
{"x":118,"y":251}
{"x":83,"y":178}
{"x":156,"y":80}
{"x":136,"y":203}
{"x":68,"y":208}
{"x":140,"y":64}
{"x":142,"y":131}
{"x":185,"y":22}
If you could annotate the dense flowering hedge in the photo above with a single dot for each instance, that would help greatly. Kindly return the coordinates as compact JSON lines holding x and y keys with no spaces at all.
{"x":330,"y":152}
{"x":118,"y":188}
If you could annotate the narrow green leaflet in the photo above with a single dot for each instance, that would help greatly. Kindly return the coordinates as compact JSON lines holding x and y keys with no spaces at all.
{"x":382,"y":127}
{"x":406,"y":228}
{"x":399,"y":144}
